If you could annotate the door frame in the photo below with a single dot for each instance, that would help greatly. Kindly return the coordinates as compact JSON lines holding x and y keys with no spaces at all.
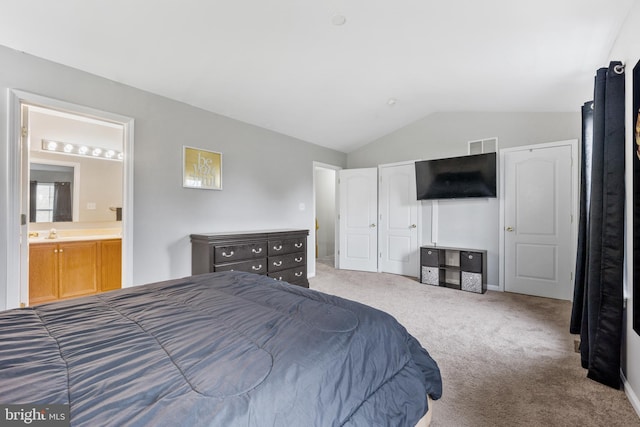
{"x":311,"y":266}
{"x":573,"y":143}
{"x":17,"y":253}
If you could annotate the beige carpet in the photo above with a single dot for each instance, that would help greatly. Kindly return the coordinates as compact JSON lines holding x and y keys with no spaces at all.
{"x":506,"y":359}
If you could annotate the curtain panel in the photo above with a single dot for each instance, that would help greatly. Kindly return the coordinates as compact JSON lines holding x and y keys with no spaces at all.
{"x":62,"y":202}
{"x":598,"y":293}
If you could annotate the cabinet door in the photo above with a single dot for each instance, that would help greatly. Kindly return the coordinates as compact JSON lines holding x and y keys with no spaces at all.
{"x":110,"y":265}
{"x":43,"y":273}
{"x":77,"y":268}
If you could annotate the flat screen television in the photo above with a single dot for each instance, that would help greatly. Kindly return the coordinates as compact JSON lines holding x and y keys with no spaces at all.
{"x":457,"y":177}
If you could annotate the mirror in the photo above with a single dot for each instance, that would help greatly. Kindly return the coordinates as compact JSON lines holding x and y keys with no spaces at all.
{"x":74,"y":179}
{"x":51,"y":193}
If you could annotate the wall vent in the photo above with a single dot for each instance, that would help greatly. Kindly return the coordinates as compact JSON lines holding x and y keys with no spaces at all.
{"x":480,"y":146}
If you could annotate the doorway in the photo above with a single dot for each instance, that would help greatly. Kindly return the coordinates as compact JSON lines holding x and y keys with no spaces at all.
{"x":324,"y":231}
{"x":539,"y":236}
{"x":24,"y":106}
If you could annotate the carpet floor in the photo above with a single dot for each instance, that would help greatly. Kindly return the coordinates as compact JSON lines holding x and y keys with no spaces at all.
{"x":506,"y":359}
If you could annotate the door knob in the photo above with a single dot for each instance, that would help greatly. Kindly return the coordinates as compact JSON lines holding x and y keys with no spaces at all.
{"x":413,"y":226}
{"x":509,"y":228}
{"x":372,"y":226}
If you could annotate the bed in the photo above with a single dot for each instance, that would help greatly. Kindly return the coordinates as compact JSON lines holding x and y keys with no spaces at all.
{"x":218,"y":349}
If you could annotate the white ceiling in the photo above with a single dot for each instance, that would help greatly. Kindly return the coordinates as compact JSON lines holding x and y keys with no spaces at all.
{"x":283,"y":65}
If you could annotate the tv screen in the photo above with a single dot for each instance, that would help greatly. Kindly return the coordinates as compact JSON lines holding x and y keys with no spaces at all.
{"x":457,"y":177}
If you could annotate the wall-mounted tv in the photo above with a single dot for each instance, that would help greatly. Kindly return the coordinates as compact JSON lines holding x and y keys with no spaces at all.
{"x":457,"y":177}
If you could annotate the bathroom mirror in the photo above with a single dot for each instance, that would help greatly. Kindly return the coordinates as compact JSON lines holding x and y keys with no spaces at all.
{"x":70,"y":188}
{"x":51,"y":193}
{"x":75,"y":168}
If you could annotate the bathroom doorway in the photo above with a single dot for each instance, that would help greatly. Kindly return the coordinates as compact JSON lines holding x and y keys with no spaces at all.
{"x":325,"y":184}
{"x":55,"y":139}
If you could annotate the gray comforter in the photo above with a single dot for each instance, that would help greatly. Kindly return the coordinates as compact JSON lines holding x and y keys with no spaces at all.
{"x":220,"y":349}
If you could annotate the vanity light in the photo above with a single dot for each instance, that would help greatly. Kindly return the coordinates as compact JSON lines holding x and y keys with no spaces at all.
{"x":80,"y":150}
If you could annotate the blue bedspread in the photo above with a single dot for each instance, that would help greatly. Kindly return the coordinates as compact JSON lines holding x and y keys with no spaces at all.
{"x":220,"y":349}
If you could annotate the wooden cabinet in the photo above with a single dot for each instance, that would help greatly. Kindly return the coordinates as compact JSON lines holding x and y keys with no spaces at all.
{"x":77,"y":269}
{"x":43,"y":273}
{"x":73,"y":269}
{"x":456,"y":268}
{"x":281,"y":254}
{"x":110,"y":264}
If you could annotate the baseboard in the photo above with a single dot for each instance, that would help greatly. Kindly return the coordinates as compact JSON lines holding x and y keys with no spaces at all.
{"x":631,"y":394}
{"x":494,"y":288}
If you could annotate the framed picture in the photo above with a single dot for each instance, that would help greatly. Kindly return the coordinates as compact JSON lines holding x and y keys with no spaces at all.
{"x":201,"y":169}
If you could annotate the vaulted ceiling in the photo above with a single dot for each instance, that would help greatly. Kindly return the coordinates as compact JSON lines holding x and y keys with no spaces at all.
{"x":337,"y":73}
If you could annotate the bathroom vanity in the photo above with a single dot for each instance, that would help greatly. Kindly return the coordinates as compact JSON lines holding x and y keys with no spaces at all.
{"x":71,"y":267}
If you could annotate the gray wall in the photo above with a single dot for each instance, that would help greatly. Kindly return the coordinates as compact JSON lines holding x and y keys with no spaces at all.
{"x":267,"y":177}
{"x":446,"y":135}
{"x":470,"y":223}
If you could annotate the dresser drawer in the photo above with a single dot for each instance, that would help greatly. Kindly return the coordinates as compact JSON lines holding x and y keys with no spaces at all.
{"x":296,"y":276}
{"x":283,"y":262}
{"x":258,"y":266}
{"x":230,"y":253}
{"x":287,"y":246}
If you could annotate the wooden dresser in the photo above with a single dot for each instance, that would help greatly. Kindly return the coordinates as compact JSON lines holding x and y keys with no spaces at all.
{"x":281,"y":254}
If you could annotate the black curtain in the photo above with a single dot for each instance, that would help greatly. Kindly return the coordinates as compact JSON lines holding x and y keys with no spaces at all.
{"x":33,"y":200}
{"x":598,"y":293}
{"x":62,"y":202}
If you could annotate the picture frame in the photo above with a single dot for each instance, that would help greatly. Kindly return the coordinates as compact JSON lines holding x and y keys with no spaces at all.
{"x":201,"y":169}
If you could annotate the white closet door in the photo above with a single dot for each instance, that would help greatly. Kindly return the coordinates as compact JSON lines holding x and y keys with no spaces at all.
{"x":358,"y":219}
{"x":398,"y":220}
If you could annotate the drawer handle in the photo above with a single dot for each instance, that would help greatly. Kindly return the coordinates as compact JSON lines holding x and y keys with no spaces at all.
{"x":429,"y":252}
{"x":277,"y":248}
{"x":256,"y":251}
{"x":227,"y":255}
{"x":253,"y":267}
{"x":277,"y":263}
{"x":299,"y":259}
{"x":298,"y":274}
{"x":470,"y":256}
{"x":298,"y":245}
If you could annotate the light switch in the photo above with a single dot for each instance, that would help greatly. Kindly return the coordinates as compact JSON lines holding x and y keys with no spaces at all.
{"x":91,"y":206}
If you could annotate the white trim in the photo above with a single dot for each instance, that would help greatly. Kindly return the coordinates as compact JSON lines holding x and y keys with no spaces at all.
{"x":311,"y":266}
{"x":573,"y":143}
{"x":13,"y":198}
{"x":15,"y":99}
{"x":631,"y":394}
